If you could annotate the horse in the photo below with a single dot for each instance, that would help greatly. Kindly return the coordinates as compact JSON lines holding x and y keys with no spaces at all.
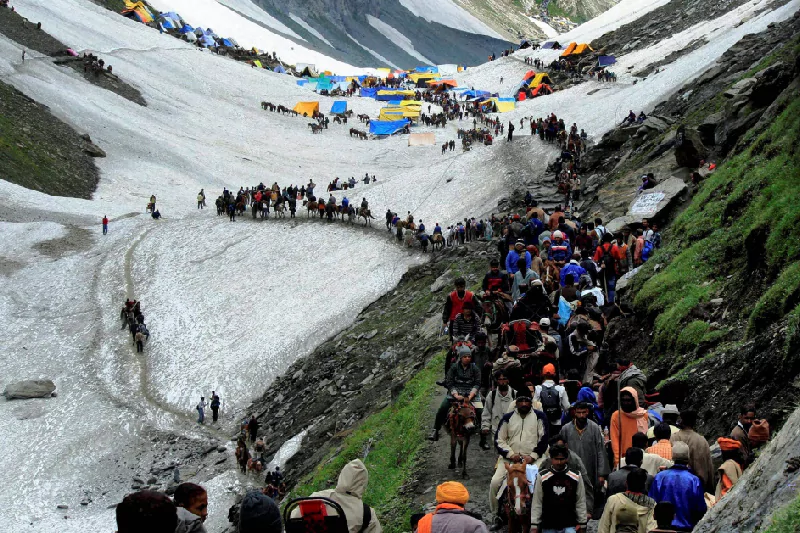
{"x":363,"y":118}
{"x":312,"y":207}
{"x":351,"y":214}
{"x":551,"y":277}
{"x":242,"y":456}
{"x":330,"y":211}
{"x":517,"y":499}
{"x":495,"y":314}
{"x":337,"y":120}
{"x":280,"y":208}
{"x":355,"y":132}
{"x":366,"y":215}
{"x":240,"y":207}
{"x":444,"y":148}
{"x":460,"y":424}
{"x":362,"y":135}
{"x":438,"y":241}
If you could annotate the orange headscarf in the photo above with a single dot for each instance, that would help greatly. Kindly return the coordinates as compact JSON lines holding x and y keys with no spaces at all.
{"x":452,"y":492}
{"x":726,"y":444}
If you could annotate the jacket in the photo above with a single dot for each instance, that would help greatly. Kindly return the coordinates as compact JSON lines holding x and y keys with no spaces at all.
{"x":559,"y":500}
{"x":572,"y":268}
{"x":495,"y":406}
{"x":575,"y":463}
{"x":618,"y":480}
{"x":188,"y":522}
{"x":451,"y":519}
{"x":729,"y":474}
{"x":629,"y":513}
{"x":526,"y":436}
{"x":462,"y":328}
{"x":496,"y":282}
{"x":463,"y":380}
{"x":684,"y":490}
{"x":560,"y":252}
{"x":624,"y":426}
{"x":590,"y":447}
{"x":454,"y":304}
{"x":699,"y":456}
{"x":513,"y":257}
{"x":348,"y":493}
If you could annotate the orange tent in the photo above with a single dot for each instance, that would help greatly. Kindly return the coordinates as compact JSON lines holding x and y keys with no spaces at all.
{"x":529,"y":75}
{"x":569,"y":49}
{"x":541,"y":90}
{"x":582,"y":49}
{"x":449,"y":83}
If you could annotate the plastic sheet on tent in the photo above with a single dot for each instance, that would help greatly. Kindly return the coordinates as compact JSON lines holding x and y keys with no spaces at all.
{"x":186,"y":29}
{"x":307,"y":107}
{"x":605,"y":61}
{"x":280,"y":70}
{"x":427,"y":69}
{"x":386,"y":127}
{"x":368,"y":92}
{"x":569,"y":50}
{"x":421,"y":139}
{"x":340,"y":106}
{"x":300,"y":82}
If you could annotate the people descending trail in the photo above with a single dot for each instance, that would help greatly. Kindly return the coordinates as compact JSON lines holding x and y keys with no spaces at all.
{"x":201,"y":410}
{"x":215,"y":404}
{"x":105,"y":225}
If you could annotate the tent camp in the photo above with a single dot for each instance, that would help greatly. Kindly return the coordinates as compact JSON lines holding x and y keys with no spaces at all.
{"x":306,"y":69}
{"x":417,"y":76}
{"x":427,"y":69}
{"x":421,"y":139}
{"x":569,"y":50}
{"x":386,"y":95}
{"x":541,"y":90}
{"x":381,"y":127}
{"x":339,"y":107}
{"x":307,"y":108}
{"x":540,"y":78}
{"x":524,"y":43}
{"x":368,"y":92}
{"x":606,"y":61}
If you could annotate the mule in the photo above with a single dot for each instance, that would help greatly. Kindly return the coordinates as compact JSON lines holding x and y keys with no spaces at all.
{"x":438,"y":241}
{"x":312,"y":207}
{"x":518,"y":499}
{"x":366,"y":215}
{"x":461,"y":425}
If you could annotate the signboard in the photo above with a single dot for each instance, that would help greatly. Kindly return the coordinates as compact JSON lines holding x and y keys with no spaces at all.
{"x":647,"y":204}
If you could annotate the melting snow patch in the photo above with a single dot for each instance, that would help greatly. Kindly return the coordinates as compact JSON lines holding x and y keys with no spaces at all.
{"x":397,"y":38}
{"x":310,"y":29}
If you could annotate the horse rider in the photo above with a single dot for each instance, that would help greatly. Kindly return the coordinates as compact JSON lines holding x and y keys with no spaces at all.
{"x":345,"y":202}
{"x":521,"y":437}
{"x":463,"y":383}
{"x":364,"y":204}
{"x":332,"y":200}
{"x":455,"y":303}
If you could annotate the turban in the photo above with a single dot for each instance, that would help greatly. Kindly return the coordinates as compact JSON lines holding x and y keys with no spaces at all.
{"x":759,"y":431}
{"x":549,"y":370}
{"x":727,"y":445}
{"x":452,"y":492}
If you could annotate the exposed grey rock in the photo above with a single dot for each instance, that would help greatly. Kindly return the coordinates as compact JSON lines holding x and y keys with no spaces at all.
{"x":742,"y":87}
{"x":33,"y":388}
{"x":689,"y":149}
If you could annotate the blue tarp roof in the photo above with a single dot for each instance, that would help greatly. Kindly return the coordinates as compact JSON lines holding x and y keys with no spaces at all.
{"x":339,"y":106}
{"x":604,"y":61}
{"x":427,"y":69}
{"x":477,"y":93}
{"x":186,"y":29}
{"x":280,"y":70}
{"x":548,"y":45}
{"x":395,"y":102}
{"x":302,"y":81}
{"x":324,"y":84}
{"x":506,"y":99}
{"x":369,"y":92}
{"x":338,"y":78}
{"x":387,"y":127}
{"x":167,"y":24}
{"x":227,"y":42}
{"x":206,"y":40}
{"x":172,"y":15}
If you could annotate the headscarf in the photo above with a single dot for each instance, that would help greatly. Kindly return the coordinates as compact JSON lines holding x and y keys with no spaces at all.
{"x":452,"y":492}
{"x":639,"y":414}
{"x":727,"y":445}
{"x":586,"y":395}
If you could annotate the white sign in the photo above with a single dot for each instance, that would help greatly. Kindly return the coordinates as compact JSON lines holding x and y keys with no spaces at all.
{"x":647,"y":204}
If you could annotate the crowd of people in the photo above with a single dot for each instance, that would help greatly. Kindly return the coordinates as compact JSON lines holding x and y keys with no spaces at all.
{"x":133,"y":319}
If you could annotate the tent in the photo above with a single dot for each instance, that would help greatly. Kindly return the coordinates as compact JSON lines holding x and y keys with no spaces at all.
{"x":504,"y":105}
{"x":301,"y":81}
{"x":397,"y":113}
{"x":605,"y":61}
{"x":417,"y":76}
{"x":524,"y":43}
{"x":186,"y":29}
{"x":207,"y":40}
{"x":257,"y":63}
{"x":476,"y":94}
{"x":324,"y":84}
{"x":308,"y":108}
{"x":582,"y":49}
{"x":414,"y":103}
{"x":191,"y":37}
{"x":551,"y":45}
{"x":369,"y":92}
{"x":339,"y":107}
{"x":541,"y":90}
{"x":387,"y":127}
{"x":166,"y":23}
{"x":137,"y":11}
{"x":228,"y":43}
{"x":279,"y":69}
{"x":421,"y":139}
{"x":447,"y":83}
{"x":528,"y":75}
{"x":569,"y":50}
{"x":427,"y":69}
{"x":540,"y":78}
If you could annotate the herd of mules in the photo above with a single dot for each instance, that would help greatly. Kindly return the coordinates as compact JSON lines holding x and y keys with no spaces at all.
{"x":316,"y":127}
{"x":260,"y":209}
{"x":332,"y":211}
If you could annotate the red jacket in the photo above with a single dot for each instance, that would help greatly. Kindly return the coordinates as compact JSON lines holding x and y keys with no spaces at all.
{"x":454,"y":304}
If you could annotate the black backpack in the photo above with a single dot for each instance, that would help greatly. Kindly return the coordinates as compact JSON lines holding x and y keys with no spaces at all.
{"x":551,"y":403}
{"x":607,"y":261}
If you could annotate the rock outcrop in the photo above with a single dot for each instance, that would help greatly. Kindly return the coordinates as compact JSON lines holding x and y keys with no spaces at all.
{"x":32,"y":388}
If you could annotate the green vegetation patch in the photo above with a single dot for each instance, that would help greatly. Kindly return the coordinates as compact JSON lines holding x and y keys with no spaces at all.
{"x":389,"y":442}
{"x":751,"y":202}
{"x":787,"y":520}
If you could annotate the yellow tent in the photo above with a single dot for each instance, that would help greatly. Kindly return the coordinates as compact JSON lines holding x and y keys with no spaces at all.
{"x":255,"y":51}
{"x":542,"y":77}
{"x":396,"y":113}
{"x":569,"y":49}
{"x":307,"y":108}
{"x":384,"y":70}
{"x":397,"y":92}
{"x":421,"y":139}
{"x":424,"y":76}
{"x":415,"y":103}
{"x":140,"y":9}
{"x":258,"y":63}
{"x":503,"y":107}
{"x":582,"y":49}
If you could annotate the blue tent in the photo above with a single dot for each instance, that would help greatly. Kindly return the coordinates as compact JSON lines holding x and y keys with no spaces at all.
{"x":427,"y":69}
{"x":338,"y":78}
{"x":387,"y":127}
{"x":507,"y":99}
{"x":604,"y":61}
{"x":324,"y":84}
{"x":369,"y":92}
{"x":186,"y":29}
{"x":477,"y":94}
{"x":280,"y":70}
{"x":338,"y":107}
{"x":227,"y":42}
{"x":395,"y":102}
{"x":207,"y":40}
{"x":301,"y":81}
{"x":172,"y":15}
{"x":166,"y":23}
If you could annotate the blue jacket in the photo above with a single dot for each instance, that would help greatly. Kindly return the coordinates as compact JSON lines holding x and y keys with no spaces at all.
{"x":560,"y":252}
{"x":536,"y":227}
{"x":345,"y":202}
{"x":511,"y":261}
{"x":576,"y":270}
{"x":684,"y":490}
{"x":437,"y":229}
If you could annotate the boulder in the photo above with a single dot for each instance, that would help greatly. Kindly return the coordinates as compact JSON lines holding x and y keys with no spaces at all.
{"x":619,"y":136}
{"x":689,"y":149}
{"x":94,"y":151}
{"x":32,"y":388}
{"x":741,"y":87}
{"x":770,"y":82}
{"x":655,"y":123}
{"x":708,"y":128}
{"x":652,"y":202}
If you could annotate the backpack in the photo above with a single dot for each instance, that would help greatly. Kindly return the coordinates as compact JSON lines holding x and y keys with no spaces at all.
{"x":647,"y":250}
{"x":607,"y":260}
{"x":551,"y":403}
